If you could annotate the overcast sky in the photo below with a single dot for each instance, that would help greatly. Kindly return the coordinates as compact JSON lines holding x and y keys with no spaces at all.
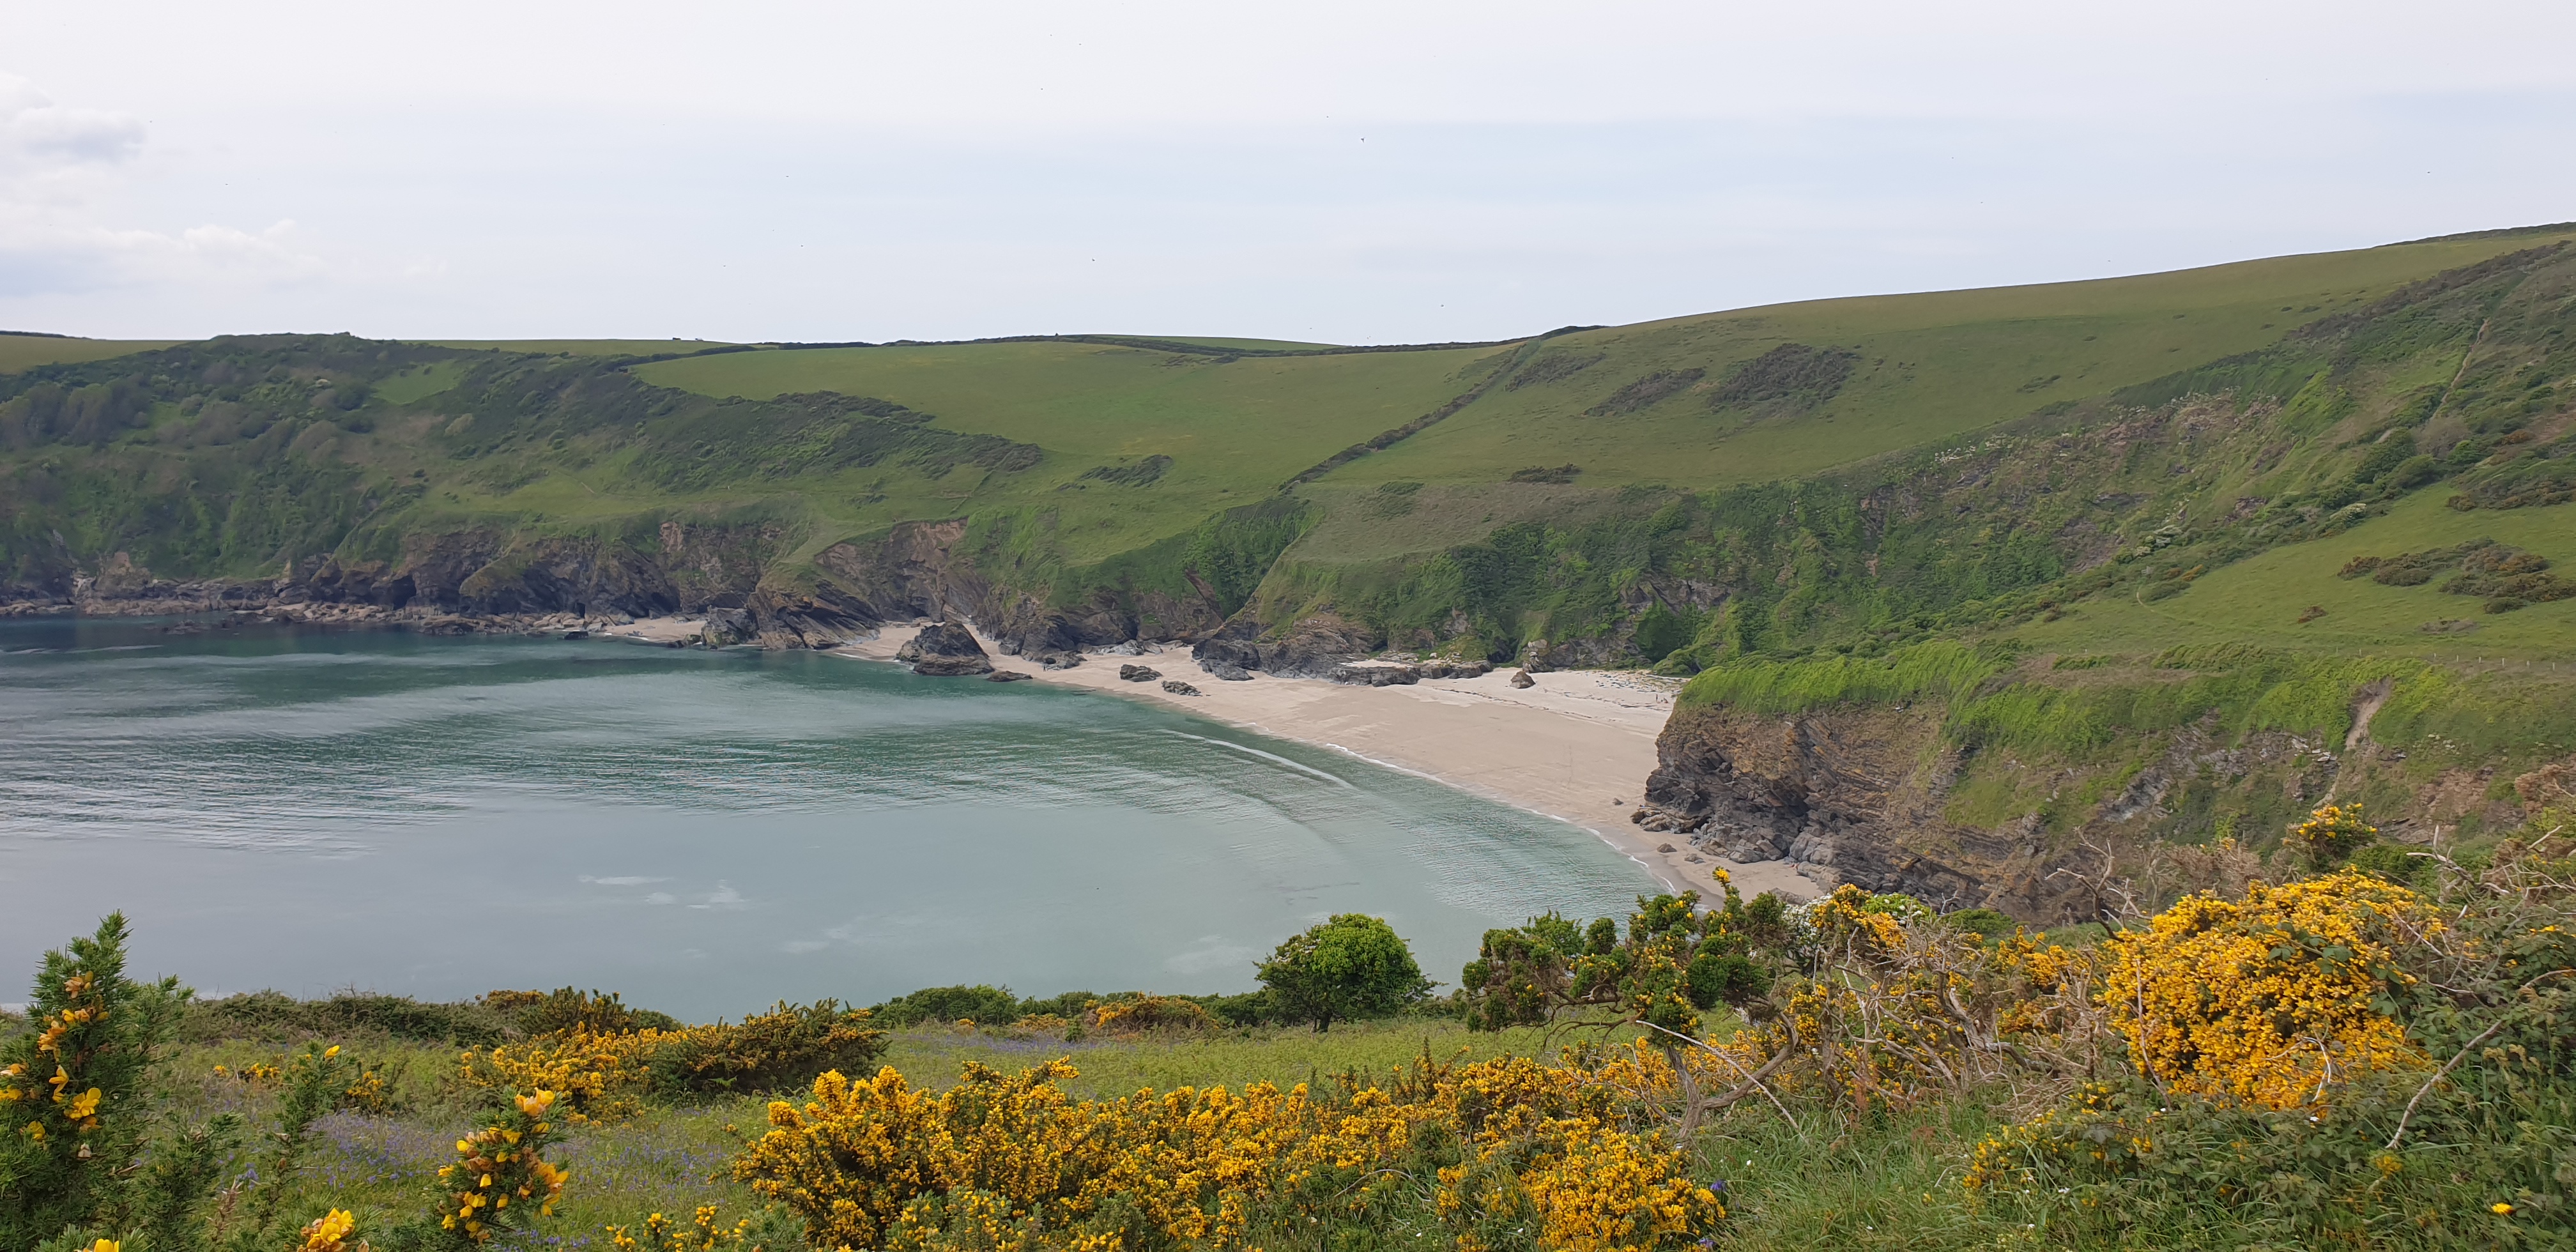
{"x":1372,"y":172}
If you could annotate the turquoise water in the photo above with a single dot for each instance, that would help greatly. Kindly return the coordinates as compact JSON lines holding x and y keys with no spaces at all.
{"x":703,"y":832}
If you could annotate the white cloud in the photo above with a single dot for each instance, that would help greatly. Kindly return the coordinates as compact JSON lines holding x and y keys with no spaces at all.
{"x":39,"y":138}
{"x":60,"y":169}
{"x":868,"y":169}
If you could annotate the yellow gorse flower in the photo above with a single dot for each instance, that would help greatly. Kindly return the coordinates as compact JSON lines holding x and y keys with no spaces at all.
{"x":2268,"y":1001}
{"x":330,"y":1233}
{"x":1022,"y":1164}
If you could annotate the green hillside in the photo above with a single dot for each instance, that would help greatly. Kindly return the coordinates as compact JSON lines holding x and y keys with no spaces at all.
{"x":1679,"y":492}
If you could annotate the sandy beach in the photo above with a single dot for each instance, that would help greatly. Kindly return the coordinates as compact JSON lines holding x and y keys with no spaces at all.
{"x":1577,"y":747}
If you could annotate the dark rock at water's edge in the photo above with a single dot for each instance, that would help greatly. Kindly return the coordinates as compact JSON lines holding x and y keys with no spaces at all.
{"x":727,"y":627}
{"x":947,"y":649}
{"x":1138,"y":673}
{"x":1375,"y":675}
{"x":1006,"y":676}
{"x":1179,"y":688}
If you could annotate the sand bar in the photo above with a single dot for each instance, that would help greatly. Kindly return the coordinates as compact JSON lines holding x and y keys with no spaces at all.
{"x":1577,"y":747}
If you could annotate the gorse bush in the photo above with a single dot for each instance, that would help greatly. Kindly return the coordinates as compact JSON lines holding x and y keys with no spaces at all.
{"x":1504,"y":1154}
{"x":74,"y":1093}
{"x":499,"y":1165}
{"x":608,"y":1075}
{"x":2273,"y":1001}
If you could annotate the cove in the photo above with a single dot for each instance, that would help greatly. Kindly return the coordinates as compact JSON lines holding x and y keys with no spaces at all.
{"x":703,"y":832}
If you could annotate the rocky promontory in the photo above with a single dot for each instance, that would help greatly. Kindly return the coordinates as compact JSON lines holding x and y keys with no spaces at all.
{"x":945,"y":650}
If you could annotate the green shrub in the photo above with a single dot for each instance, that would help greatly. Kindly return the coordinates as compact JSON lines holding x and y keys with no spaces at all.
{"x":781,"y":1049}
{"x":553,"y":1012}
{"x":269,"y":1017}
{"x":1351,"y":966}
{"x":992,"y":1006}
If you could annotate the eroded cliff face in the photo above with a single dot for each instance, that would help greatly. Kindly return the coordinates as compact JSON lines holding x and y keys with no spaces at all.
{"x":1879,"y":797}
{"x":1850,"y":796}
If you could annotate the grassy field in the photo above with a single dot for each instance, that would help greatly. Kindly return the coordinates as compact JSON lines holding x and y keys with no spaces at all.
{"x":1930,"y":367}
{"x":1246,"y":425}
{"x":22,"y":352}
{"x":579,"y":347}
{"x":2260,"y":600}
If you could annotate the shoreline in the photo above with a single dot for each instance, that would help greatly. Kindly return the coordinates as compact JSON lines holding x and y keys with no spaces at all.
{"x":1576,"y":748}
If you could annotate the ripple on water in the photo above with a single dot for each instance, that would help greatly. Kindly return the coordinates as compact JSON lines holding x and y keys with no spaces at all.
{"x":704,"y":831}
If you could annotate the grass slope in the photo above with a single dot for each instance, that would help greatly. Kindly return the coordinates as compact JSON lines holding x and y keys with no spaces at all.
{"x":1932,"y":366}
{"x":19,"y":353}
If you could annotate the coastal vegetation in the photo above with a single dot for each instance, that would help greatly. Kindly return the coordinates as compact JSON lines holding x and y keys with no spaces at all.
{"x":2166,"y":675}
{"x":2366,"y":1048}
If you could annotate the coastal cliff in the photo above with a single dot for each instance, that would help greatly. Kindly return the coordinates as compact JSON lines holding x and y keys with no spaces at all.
{"x":2150,"y":778}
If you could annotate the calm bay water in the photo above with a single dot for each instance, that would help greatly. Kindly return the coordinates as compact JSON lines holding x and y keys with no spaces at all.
{"x":703,"y":832}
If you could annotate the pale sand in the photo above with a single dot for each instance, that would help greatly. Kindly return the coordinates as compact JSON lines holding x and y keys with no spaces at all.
{"x":1577,"y":747}
{"x":658,"y":629}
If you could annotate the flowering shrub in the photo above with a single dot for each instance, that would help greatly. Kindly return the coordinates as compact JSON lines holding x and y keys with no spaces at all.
{"x":2271,"y":1001}
{"x":2340,"y":1060}
{"x":72,"y":1090}
{"x":598,"y":1077}
{"x":1140,"y":1014}
{"x":607,"y":1076}
{"x":702,"y":1234}
{"x":2330,"y":835}
{"x":1001,"y":1161}
{"x":500,"y":1165}
{"x":782,"y":1048}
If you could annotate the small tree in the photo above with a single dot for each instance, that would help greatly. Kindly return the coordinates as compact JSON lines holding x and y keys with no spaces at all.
{"x":1349,"y":967}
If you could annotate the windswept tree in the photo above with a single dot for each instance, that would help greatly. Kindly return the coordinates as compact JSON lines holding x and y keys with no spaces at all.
{"x":1352,"y":966}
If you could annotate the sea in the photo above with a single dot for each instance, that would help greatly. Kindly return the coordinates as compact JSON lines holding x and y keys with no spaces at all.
{"x":703,"y":832}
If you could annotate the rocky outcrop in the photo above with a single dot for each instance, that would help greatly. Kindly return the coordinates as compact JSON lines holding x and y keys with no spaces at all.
{"x":1006,"y":676}
{"x":1310,"y":647}
{"x":1179,"y":688}
{"x":1850,"y":795}
{"x":946,"y":650}
{"x":727,"y":627}
{"x":1521,"y":679}
{"x":1138,"y":673}
{"x":1456,"y":669}
{"x":1375,"y":675}
{"x":908,"y":574}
